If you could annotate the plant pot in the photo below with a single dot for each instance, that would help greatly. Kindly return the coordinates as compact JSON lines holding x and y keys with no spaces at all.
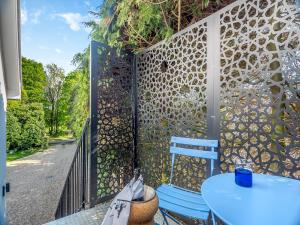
{"x":142,"y":212}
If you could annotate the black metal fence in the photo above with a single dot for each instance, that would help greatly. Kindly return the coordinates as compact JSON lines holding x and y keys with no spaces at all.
{"x":75,"y":194}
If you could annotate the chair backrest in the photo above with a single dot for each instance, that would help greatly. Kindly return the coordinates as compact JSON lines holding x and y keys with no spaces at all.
{"x":211,"y":155}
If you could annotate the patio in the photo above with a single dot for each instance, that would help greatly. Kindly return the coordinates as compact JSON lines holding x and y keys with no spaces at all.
{"x":93,"y":216}
{"x":232,"y":77}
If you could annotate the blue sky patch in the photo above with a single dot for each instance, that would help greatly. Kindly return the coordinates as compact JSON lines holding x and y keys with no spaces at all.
{"x":52,"y":30}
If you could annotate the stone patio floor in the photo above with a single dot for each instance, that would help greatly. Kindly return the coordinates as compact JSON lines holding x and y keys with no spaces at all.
{"x":93,"y":216}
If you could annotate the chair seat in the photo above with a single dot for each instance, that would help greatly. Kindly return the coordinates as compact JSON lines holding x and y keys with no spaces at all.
{"x":183,"y":202}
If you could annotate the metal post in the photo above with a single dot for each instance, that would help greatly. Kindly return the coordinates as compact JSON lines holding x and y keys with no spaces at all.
{"x":94,"y":59}
{"x":213,"y":75}
{"x":84,"y":171}
{"x":135,"y":111}
{"x":213,"y":78}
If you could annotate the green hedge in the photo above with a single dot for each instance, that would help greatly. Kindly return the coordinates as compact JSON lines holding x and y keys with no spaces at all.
{"x":25,"y":126}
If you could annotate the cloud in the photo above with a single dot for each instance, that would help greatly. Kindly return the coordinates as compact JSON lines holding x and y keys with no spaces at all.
{"x":87,"y":3}
{"x":57,"y":50}
{"x":36,"y":15}
{"x":24,"y":16}
{"x":72,"y":19}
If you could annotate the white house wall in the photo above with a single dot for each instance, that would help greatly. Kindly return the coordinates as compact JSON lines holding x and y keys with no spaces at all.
{"x":2,"y":141}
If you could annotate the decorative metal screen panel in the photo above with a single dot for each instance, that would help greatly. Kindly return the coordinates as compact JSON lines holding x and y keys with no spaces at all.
{"x":112,"y":128}
{"x":233,"y":76}
{"x":171,"y":88}
{"x":260,"y":86}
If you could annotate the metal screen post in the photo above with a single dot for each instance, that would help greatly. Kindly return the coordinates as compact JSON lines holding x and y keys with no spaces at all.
{"x":213,"y":76}
{"x":94,"y":60}
{"x":213,"y":79}
{"x":135,"y":112}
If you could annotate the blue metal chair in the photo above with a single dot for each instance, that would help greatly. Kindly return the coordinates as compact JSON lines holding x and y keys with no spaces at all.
{"x":179,"y":200}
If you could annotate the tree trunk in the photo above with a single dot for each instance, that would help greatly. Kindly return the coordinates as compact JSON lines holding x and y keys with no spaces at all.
{"x":52,"y":118}
{"x":56,"y":119}
{"x":179,"y":16}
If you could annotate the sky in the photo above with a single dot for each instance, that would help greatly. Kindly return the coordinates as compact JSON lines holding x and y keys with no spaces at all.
{"x":52,"y":30}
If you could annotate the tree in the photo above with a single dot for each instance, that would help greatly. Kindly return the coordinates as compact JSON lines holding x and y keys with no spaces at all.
{"x":25,"y":119}
{"x":76,"y":94}
{"x":138,"y":24}
{"x":81,"y":61}
{"x":34,"y":81}
{"x":80,"y":109}
{"x":74,"y":101}
{"x":69,"y":91}
{"x":55,"y":77}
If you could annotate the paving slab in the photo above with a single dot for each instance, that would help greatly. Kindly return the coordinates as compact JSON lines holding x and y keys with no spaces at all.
{"x":94,"y":216}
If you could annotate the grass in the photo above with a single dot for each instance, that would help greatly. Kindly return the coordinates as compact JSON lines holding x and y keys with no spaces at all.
{"x":14,"y":155}
{"x":61,"y":137}
{"x":11,"y":156}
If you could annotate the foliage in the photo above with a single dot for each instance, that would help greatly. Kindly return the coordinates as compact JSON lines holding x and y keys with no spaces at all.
{"x":76,"y":90}
{"x":67,"y":98}
{"x":25,"y":119}
{"x":80,"y":103}
{"x":74,"y":101}
{"x":81,"y":61}
{"x":25,"y":126}
{"x":34,"y":80}
{"x":138,"y":24}
{"x":13,"y":131}
{"x":55,"y":77}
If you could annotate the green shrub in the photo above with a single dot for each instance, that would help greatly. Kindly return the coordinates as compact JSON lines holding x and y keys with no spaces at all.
{"x":26,"y":126}
{"x":13,"y":132}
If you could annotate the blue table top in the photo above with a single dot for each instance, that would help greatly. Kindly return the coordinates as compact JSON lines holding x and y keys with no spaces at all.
{"x":272,"y":200}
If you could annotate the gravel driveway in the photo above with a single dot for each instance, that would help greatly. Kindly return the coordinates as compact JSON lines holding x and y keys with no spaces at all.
{"x":36,"y":183}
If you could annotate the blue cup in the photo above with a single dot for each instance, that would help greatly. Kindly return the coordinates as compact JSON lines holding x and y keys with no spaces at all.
{"x":243,"y":177}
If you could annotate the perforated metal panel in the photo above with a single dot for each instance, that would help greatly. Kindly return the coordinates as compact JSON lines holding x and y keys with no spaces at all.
{"x":260,"y":86}
{"x":233,"y":76}
{"x":171,"y":88}
{"x":112,"y":120}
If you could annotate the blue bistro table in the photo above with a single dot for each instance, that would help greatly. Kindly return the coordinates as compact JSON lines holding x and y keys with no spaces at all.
{"x":272,"y":200}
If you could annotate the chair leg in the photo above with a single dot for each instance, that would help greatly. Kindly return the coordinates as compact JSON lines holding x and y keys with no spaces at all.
{"x":203,"y":222}
{"x":213,"y":218}
{"x":165,"y":215}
